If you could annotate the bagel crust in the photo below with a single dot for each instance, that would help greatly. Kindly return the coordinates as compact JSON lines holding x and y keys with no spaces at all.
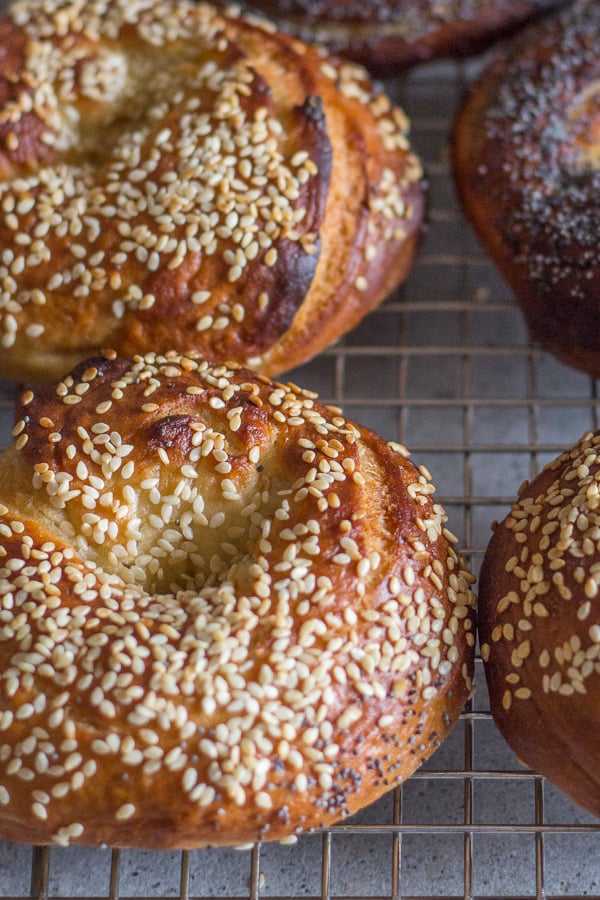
{"x":527,"y":166}
{"x":175,"y":178}
{"x":227,"y":613}
{"x":392,"y":35}
{"x":539,"y":619}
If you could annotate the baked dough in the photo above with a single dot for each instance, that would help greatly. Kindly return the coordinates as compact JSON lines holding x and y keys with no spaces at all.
{"x":390,"y":35}
{"x":228,"y":614}
{"x":174,"y":178}
{"x":539,"y":619}
{"x":526,"y":161}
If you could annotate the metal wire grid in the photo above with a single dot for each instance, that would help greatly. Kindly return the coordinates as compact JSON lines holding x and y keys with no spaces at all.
{"x":445,"y":367}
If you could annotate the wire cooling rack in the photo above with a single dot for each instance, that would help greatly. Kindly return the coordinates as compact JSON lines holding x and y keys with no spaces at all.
{"x":444,"y":366}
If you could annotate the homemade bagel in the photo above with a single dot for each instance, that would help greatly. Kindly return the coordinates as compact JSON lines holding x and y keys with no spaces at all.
{"x":174,"y":178}
{"x":527,"y":166}
{"x":227,"y":613}
{"x":389,"y":35}
{"x":539,"y":619}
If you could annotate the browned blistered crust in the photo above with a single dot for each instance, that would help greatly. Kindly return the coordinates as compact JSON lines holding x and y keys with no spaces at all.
{"x":526,"y":164}
{"x":174,"y":178}
{"x":539,"y":621}
{"x":227,"y":613}
{"x":389,"y":36}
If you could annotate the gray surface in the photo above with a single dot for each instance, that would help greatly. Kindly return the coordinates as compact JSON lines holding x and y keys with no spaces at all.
{"x":444,"y":366}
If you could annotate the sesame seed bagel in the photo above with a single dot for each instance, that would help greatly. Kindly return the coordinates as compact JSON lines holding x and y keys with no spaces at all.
{"x":527,"y":166}
{"x":175,"y":178}
{"x":539,"y":619}
{"x":392,"y":35}
{"x":228,"y":614}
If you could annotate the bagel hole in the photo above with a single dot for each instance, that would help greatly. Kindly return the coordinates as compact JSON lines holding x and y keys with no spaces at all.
{"x":185,"y":554}
{"x":191,"y":541}
{"x":121,"y":95}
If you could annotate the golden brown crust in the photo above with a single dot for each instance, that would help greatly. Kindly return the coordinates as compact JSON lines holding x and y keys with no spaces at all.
{"x":227,"y":613}
{"x":389,"y":36}
{"x":190,"y":180}
{"x":526,"y":166}
{"x":539,"y":620}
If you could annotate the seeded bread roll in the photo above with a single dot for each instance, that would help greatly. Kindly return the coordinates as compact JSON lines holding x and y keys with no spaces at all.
{"x":392,"y":35}
{"x":527,"y":168}
{"x":539,"y":616}
{"x":227,"y":613}
{"x":174,"y":178}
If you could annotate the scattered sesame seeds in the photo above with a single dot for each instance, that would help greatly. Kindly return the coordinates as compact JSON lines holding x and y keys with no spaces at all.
{"x":157,"y":182}
{"x":206,"y":572}
{"x":547,"y":547}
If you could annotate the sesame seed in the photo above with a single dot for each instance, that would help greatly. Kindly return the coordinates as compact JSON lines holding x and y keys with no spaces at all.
{"x":126,"y":811}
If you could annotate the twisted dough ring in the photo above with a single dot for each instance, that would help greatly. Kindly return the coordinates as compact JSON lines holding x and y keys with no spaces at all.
{"x":227,"y":613}
{"x":540,"y":623}
{"x":526,"y":163}
{"x":388,"y":35}
{"x":174,"y":178}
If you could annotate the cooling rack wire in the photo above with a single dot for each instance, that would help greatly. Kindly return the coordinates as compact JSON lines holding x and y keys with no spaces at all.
{"x":445,"y":367}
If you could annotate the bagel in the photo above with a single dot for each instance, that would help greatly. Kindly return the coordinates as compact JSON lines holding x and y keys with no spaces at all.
{"x":539,"y":619}
{"x":527,"y":169}
{"x":175,"y":178}
{"x":393,"y":35}
{"x":227,"y":613}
